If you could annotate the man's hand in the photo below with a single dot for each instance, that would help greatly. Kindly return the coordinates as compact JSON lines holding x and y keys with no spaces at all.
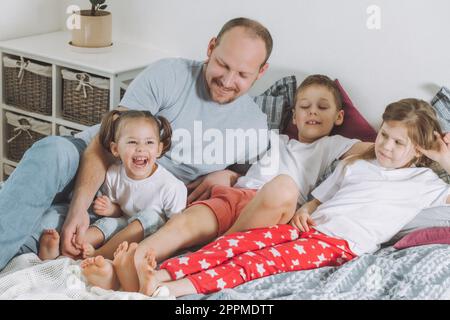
{"x":72,"y":235}
{"x":200,"y":189}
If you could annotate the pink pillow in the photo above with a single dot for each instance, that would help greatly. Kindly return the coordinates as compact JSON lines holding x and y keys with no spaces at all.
{"x":435,"y":235}
{"x":354,"y":126}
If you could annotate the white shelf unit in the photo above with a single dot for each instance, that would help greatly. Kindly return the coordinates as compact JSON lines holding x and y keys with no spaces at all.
{"x":120,"y":63}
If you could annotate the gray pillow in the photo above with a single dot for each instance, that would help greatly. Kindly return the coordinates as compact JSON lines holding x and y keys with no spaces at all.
{"x":277,"y":100}
{"x":441,"y":104}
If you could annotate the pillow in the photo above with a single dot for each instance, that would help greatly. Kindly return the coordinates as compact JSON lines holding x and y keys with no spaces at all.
{"x":277,"y":100}
{"x":441,"y":104}
{"x":354,"y":126}
{"x":436,"y":235}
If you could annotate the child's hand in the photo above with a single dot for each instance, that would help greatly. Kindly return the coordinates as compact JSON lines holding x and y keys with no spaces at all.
{"x":442,"y":155}
{"x":103,"y":206}
{"x":302,"y":220}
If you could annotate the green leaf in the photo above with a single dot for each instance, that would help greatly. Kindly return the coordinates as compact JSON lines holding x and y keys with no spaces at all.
{"x":103,"y":7}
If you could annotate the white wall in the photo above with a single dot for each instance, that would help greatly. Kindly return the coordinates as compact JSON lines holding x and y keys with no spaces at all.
{"x":19,"y":18}
{"x":408,"y":57}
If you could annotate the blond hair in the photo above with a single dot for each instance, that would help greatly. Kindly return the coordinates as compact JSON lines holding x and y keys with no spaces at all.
{"x":421,"y":122}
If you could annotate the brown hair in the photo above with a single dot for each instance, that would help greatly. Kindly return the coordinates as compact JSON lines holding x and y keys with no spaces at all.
{"x":421,"y":122}
{"x":114,"y":120}
{"x":254,"y":28}
{"x":315,"y":79}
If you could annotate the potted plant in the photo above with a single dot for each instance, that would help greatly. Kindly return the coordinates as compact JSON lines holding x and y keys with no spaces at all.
{"x":95,"y":26}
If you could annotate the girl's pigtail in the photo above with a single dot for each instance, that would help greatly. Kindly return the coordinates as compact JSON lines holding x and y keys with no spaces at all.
{"x":107,"y":129}
{"x":165,"y":134}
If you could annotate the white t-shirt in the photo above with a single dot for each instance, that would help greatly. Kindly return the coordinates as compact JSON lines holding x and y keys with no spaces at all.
{"x":367,"y":204}
{"x":304,"y":162}
{"x":160,"y":193}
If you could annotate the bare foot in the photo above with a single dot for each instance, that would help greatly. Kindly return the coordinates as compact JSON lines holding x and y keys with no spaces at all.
{"x":124,"y":266}
{"x":49,"y":245}
{"x":99,"y":272}
{"x":147,"y":274}
{"x":87,"y":250}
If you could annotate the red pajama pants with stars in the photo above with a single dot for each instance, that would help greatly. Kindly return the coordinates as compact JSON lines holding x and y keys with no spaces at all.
{"x":244,"y":256}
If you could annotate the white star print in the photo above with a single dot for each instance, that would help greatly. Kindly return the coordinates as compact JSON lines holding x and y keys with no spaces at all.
{"x":204,"y":264}
{"x":179,"y":274}
{"x":324,"y":244}
{"x":183,"y":260}
{"x":268,"y":235}
{"x":221,"y":284}
{"x":270,"y":263}
{"x":230,"y":253}
{"x":295,"y":262}
{"x":260,"y":269}
{"x":260,"y":244}
{"x":212,"y":273}
{"x":240,"y":237}
{"x":275,"y":252}
{"x":251,"y":254}
{"x":321,"y":259}
{"x":294,"y":234}
{"x":300,"y":249}
{"x":242,"y":273}
{"x":233,"y":242}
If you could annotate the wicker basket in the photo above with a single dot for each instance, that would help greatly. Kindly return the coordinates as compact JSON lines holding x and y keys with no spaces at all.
{"x":21,"y":133}
{"x":28,"y":85}
{"x":63,"y":131}
{"x":7,"y":171}
{"x":85,"y":97}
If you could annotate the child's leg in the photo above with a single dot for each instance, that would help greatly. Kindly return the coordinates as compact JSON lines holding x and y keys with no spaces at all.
{"x":312,"y":250}
{"x":94,"y":238}
{"x":133,"y":232}
{"x":275,"y":203}
{"x":152,"y":279}
{"x":227,"y":247}
{"x":49,"y":245}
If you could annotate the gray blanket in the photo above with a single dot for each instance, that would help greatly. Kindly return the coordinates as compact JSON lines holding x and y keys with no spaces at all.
{"x":415,"y":273}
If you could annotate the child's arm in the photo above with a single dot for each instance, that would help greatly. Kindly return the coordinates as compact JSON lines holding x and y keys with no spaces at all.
{"x":302,"y":217}
{"x":357,"y":148}
{"x":103,"y":206}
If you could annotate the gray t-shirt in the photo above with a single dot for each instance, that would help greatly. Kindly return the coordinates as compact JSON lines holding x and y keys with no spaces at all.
{"x":206,"y":136}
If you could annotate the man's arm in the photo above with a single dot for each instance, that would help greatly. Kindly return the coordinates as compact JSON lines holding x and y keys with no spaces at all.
{"x":91,"y":174}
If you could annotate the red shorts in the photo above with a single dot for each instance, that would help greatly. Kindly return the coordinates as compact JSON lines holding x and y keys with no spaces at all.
{"x":227,"y":204}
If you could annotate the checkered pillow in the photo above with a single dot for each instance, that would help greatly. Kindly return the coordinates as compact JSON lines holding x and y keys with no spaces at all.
{"x":441,"y":104}
{"x":277,"y":100}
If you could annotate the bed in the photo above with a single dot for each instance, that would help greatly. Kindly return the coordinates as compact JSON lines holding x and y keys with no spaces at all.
{"x":421,"y":272}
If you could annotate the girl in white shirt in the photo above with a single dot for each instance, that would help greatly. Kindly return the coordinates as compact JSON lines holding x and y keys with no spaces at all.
{"x":364,"y":203}
{"x":137,"y":188}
